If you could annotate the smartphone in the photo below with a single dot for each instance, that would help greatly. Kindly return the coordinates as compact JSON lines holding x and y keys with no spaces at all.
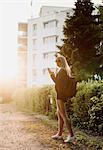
{"x":49,"y":70}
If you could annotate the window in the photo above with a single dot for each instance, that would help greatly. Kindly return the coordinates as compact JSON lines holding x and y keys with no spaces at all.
{"x":56,"y":38}
{"x":34,"y":56}
{"x":34,"y":44}
{"x":34,"y":27}
{"x":45,"y":71}
{"x":46,"y":24}
{"x":45,"y":55}
{"x":51,"y":24}
{"x":49,"y":55}
{"x":49,"y":39}
{"x":56,"y":23}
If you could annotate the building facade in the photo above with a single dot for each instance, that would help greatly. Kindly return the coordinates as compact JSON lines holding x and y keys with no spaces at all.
{"x":44,"y":33}
{"x":22,"y":55}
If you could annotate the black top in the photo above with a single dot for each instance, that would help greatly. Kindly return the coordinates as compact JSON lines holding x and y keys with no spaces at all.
{"x":61,"y":83}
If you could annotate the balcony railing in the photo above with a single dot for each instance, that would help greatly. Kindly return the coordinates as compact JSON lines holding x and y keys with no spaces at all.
{"x":49,"y":31}
{"x":22,"y":33}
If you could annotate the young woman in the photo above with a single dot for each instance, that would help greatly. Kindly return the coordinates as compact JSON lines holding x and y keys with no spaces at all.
{"x":60,"y":81}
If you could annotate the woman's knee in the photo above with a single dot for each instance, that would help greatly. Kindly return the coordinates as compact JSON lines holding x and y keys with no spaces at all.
{"x":58,"y":112}
{"x":63,"y":115}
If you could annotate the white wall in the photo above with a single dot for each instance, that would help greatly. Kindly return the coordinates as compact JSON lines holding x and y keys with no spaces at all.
{"x":42,"y":63}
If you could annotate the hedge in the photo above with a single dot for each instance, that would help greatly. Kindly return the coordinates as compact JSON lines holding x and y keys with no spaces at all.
{"x":87,"y":105}
{"x":41,"y":100}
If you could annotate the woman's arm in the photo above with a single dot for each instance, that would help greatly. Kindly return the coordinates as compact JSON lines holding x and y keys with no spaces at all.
{"x":52,"y":75}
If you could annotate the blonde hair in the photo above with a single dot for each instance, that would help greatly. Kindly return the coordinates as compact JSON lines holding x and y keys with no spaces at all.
{"x":64,"y":64}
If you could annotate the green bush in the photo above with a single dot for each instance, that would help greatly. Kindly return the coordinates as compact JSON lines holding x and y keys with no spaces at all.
{"x":41,"y":100}
{"x":88,"y":106}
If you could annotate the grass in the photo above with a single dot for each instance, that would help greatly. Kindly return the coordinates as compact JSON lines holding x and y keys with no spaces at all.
{"x":45,"y":128}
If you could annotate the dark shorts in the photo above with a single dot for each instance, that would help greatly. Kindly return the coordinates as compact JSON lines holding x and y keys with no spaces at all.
{"x":61,"y":97}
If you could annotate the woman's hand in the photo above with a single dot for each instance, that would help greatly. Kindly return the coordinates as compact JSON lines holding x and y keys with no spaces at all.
{"x":50,"y":72}
{"x":52,"y":75}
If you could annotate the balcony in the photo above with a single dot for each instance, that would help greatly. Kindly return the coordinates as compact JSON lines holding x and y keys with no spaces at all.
{"x":49,"y":31}
{"x":22,"y":48}
{"x":22,"y":27}
{"x":22,"y":40}
{"x":22,"y":34}
{"x":49,"y":63}
{"x":50,"y":48}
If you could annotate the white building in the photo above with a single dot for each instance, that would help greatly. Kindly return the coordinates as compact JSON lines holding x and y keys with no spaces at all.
{"x":44,"y":33}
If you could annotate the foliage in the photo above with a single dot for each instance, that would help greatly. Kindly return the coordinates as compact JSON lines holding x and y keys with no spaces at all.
{"x":81,"y":40}
{"x":100,"y":8}
{"x":88,"y":106}
{"x":36,"y":99}
{"x":86,"y":110}
{"x":90,"y":141}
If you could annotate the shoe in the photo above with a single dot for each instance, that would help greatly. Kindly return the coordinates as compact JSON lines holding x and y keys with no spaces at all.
{"x":69,"y":139}
{"x":57,"y":137}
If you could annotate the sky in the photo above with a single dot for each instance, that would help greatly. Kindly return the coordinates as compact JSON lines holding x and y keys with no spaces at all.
{"x":12,"y":12}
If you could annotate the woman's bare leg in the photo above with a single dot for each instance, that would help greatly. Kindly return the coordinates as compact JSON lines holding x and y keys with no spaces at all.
{"x":60,"y":124}
{"x":66,"y":120}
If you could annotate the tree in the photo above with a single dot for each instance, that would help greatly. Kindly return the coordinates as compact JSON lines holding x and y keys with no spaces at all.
{"x":100,"y":8}
{"x":82,"y":39}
